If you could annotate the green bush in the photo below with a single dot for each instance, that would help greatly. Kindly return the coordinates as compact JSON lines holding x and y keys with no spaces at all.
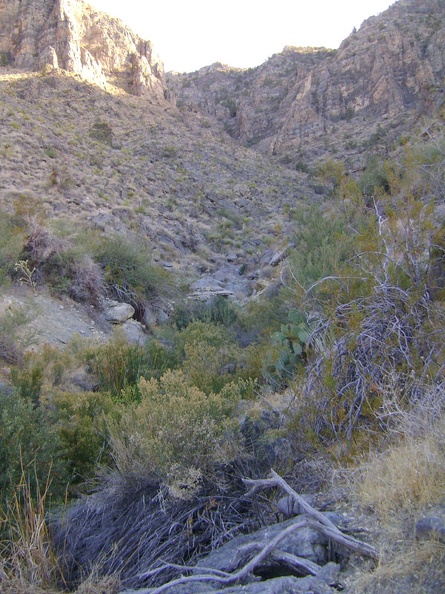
{"x":117,"y":365}
{"x":128,"y":273}
{"x":11,"y":246}
{"x":324,"y":245}
{"x":79,"y":419}
{"x":211,"y":357}
{"x":175,"y":427}
{"x":12,"y":338}
{"x":29,"y":445}
{"x":288,"y":349}
{"x":218,"y":310}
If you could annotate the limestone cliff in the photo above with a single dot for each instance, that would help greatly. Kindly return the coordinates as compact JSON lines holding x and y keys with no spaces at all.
{"x":71,"y":35}
{"x":304,"y":104}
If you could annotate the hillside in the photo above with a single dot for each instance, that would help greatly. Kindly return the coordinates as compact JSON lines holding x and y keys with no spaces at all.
{"x":307,"y":104}
{"x":221,"y":311}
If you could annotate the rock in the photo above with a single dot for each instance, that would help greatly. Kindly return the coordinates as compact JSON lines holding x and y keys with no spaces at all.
{"x":279,"y":585}
{"x":306,"y":542}
{"x":119,"y":313}
{"x":134,"y":332}
{"x":292,"y":103}
{"x":71,"y":35}
{"x":430,"y":528}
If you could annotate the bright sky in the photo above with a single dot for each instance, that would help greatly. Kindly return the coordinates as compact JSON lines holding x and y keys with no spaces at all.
{"x":190,"y":34}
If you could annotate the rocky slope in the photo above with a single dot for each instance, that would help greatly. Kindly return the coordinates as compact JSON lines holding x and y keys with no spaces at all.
{"x":305,"y":104}
{"x":195,"y":199}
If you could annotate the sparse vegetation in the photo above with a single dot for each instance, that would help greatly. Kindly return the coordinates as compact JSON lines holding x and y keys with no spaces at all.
{"x":330,"y":366}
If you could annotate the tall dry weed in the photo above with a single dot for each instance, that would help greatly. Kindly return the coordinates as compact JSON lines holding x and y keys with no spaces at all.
{"x":31,"y":563}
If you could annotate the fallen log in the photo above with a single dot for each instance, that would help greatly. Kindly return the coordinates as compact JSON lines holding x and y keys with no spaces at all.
{"x":312,"y":519}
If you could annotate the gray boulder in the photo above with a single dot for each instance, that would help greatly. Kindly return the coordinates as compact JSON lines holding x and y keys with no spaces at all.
{"x":306,"y":542}
{"x":431,"y":527}
{"x":118,"y":313}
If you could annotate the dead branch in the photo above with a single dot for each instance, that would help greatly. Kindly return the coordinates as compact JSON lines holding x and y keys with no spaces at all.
{"x":322,"y":522}
{"x":316,"y":520}
{"x":248,"y":568}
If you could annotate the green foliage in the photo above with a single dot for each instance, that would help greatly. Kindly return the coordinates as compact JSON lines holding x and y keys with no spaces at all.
{"x":28,"y":444}
{"x":102,"y":132}
{"x":12,"y":340}
{"x":175,"y":426}
{"x":117,"y":365}
{"x":374,"y":178}
{"x":288,"y":350}
{"x":79,"y":419}
{"x":331,"y":173}
{"x":218,"y":310}
{"x":324,"y":245}
{"x":11,"y":245}
{"x":28,"y":382}
{"x":376,"y":343}
{"x":210,"y":356}
{"x":127,"y":270}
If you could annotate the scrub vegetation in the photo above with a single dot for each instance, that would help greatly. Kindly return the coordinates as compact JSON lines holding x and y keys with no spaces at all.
{"x":352,"y":342}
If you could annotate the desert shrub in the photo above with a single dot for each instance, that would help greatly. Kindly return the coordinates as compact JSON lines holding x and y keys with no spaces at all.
{"x":159,"y":358}
{"x":174,"y":426}
{"x":11,"y":245}
{"x":29,"y":445}
{"x":28,"y":381}
{"x":218,"y":310}
{"x":374,"y":177}
{"x":29,"y":561}
{"x":211,"y":357}
{"x":378,"y":339}
{"x":102,"y":132}
{"x":128,"y":273}
{"x":86,"y":284}
{"x":79,"y":419}
{"x":261,"y":317}
{"x":62,"y":265}
{"x":324,"y":245}
{"x":287,"y":352}
{"x":331,"y":173}
{"x":12,"y":337}
{"x":117,"y":365}
{"x":406,"y":477}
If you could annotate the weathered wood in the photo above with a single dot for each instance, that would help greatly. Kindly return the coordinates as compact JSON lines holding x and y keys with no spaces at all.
{"x":312,"y":519}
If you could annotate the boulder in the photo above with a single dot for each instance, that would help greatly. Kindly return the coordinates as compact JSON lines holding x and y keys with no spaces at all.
{"x":119,"y":313}
{"x":134,"y":332}
{"x":306,"y":542}
{"x":430,"y":528}
{"x":279,"y":585}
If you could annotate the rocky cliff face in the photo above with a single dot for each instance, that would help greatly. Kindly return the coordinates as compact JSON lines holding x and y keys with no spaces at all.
{"x":307,"y":103}
{"x":70,"y":35}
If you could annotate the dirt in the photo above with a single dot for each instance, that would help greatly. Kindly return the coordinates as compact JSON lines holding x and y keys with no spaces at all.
{"x":51,"y":320}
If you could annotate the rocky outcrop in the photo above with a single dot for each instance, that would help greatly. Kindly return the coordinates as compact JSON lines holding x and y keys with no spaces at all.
{"x":307,"y":103}
{"x":71,"y":35}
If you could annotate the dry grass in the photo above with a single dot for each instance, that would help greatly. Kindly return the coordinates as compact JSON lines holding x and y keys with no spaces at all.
{"x":30,"y":562}
{"x":407,"y":477}
{"x":398,"y":487}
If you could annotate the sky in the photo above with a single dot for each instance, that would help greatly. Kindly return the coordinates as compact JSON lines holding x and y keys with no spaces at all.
{"x":190,"y":34}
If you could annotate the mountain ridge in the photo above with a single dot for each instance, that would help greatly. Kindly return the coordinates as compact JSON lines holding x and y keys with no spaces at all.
{"x":305,"y":105}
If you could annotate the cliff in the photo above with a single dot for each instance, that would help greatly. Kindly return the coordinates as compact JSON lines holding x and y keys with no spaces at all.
{"x":71,"y":35}
{"x":307,"y":103}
